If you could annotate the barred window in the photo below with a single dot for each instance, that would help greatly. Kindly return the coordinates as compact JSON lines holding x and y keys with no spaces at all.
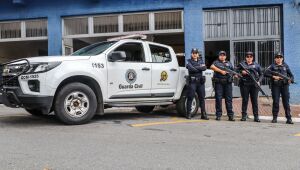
{"x":105,"y":24}
{"x":136,"y":22}
{"x":243,"y":22}
{"x":10,"y":30}
{"x":74,"y":26}
{"x":216,"y":24}
{"x":168,"y":20}
{"x":36,"y":28}
{"x":268,"y":21}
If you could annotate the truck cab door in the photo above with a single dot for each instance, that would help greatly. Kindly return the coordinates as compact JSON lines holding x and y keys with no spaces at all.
{"x":129,"y":79}
{"x":165,"y":71}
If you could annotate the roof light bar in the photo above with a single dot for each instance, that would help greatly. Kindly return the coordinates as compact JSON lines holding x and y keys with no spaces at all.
{"x":132,"y":36}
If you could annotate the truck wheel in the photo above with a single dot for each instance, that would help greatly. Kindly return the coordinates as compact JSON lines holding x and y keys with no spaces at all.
{"x":34,"y":112}
{"x":75,"y":103}
{"x":145,"y":109}
{"x":181,"y":104}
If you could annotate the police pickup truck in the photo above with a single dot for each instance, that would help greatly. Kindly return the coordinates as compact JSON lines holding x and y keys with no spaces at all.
{"x":114,"y":73}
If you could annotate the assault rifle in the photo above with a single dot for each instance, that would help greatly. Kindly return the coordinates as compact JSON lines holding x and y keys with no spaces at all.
{"x":229,"y":71}
{"x":257,"y":84}
{"x":280,"y":75}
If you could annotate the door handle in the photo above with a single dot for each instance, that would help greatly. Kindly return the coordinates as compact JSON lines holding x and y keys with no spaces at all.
{"x":173,"y":69}
{"x":145,"y":69}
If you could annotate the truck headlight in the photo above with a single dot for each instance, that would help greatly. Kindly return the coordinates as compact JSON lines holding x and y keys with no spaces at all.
{"x":42,"y":67}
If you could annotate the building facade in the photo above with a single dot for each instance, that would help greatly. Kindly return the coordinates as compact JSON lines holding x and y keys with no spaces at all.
{"x":37,"y":28}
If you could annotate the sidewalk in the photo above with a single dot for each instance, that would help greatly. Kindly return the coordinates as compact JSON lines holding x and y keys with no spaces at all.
{"x":264,"y":107}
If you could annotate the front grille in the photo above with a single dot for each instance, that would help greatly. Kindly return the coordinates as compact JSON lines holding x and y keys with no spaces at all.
{"x":1,"y":71}
{"x":14,"y":82}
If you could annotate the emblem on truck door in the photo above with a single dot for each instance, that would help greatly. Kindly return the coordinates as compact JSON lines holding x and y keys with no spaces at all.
{"x":130,"y":76}
{"x":163,"y":76}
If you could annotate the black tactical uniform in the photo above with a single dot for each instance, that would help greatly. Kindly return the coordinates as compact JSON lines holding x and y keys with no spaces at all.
{"x":248,"y":87}
{"x":223,"y":88}
{"x":280,"y":87}
{"x":1,"y":70}
{"x":196,"y":84}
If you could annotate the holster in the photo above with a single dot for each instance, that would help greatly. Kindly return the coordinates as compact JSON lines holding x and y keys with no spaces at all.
{"x":187,"y":80}
{"x":200,"y":80}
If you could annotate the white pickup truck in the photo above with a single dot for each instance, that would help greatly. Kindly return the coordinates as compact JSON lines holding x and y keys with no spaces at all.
{"x":125,"y":72}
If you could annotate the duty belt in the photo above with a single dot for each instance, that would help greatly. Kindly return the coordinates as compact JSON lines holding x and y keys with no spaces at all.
{"x":197,"y":79}
{"x":219,"y":80}
{"x":247,"y":83}
{"x":280,"y":82}
{"x":193,"y":78}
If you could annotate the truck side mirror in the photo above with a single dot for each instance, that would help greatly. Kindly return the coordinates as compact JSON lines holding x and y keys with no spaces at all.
{"x":117,"y":56}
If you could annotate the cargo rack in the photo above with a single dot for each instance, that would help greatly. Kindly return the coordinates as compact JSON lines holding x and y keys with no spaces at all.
{"x":132,"y":36}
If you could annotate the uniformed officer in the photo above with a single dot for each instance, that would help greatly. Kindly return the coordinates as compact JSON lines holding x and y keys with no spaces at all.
{"x":280,"y":86}
{"x":196,"y":66}
{"x":248,"y":86}
{"x":223,"y":86}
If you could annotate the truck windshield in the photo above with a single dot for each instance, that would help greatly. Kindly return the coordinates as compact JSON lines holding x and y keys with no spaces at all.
{"x":93,"y":49}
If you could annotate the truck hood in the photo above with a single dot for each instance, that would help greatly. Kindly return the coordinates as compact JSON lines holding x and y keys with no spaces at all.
{"x":57,"y":58}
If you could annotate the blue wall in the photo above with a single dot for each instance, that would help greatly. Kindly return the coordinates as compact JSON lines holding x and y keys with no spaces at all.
{"x":193,"y":10}
{"x":291,"y":38}
{"x":193,"y":13}
{"x":54,"y":10}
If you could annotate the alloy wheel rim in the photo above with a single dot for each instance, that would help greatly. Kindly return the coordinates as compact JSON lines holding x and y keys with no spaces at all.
{"x":76,"y":104}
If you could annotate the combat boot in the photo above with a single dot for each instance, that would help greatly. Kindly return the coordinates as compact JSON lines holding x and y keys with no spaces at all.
{"x":204,"y":116}
{"x":188,"y":115}
{"x":289,"y":121}
{"x":274,"y":120}
{"x":230,"y":118}
{"x":244,"y":117}
{"x":256,"y":118}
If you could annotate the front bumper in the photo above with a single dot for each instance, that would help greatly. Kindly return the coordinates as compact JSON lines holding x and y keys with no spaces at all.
{"x":14,"y":97}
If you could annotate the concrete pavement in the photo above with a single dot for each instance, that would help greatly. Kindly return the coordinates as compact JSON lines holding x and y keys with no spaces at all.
{"x":113,"y":142}
{"x":264,"y":107}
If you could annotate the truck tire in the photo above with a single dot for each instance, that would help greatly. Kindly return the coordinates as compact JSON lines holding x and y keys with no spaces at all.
{"x":181,"y":104}
{"x":75,"y":103}
{"x":145,"y":109}
{"x":35,"y":112}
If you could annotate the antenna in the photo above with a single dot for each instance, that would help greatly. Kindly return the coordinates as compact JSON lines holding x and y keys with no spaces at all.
{"x":132,"y":36}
